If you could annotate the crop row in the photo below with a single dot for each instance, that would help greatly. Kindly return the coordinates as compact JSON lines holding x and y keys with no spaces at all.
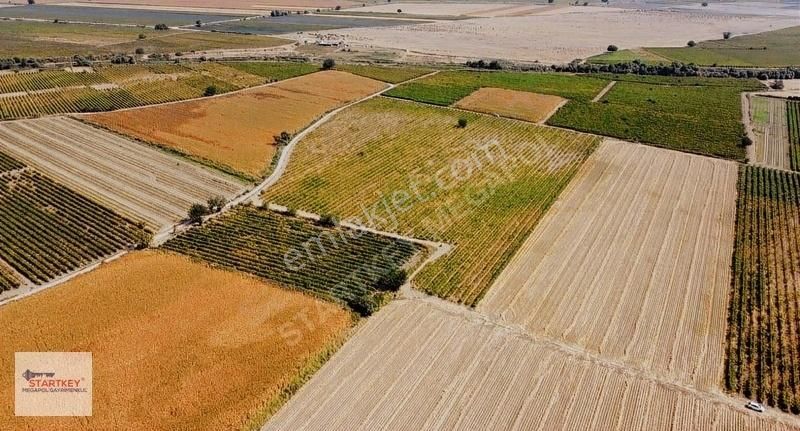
{"x":763,"y":343}
{"x":47,"y":230}
{"x":7,"y":163}
{"x":17,"y":82}
{"x":8,"y":280}
{"x":407,"y":167}
{"x":338,"y":263}
{"x":793,"y":119}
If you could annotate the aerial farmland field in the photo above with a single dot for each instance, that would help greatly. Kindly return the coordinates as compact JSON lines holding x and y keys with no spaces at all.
{"x":295,"y":23}
{"x":521,"y":105}
{"x":793,"y":123}
{"x":770,"y":126}
{"x":236,"y":132}
{"x":764,"y":320}
{"x":169,"y":328}
{"x":110,"y":15}
{"x":419,"y":366}
{"x":391,"y":74}
{"x":651,"y":231}
{"x":407,"y":167}
{"x":143,"y":183}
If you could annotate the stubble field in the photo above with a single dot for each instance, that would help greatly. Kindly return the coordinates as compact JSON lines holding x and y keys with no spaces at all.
{"x":408,"y":168}
{"x":521,"y":105}
{"x":771,"y":129}
{"x":175,"y":344}
{"x":236,"y":131}
{"x":142,"y":183}
{"x":652,"y":234}
{"x":416,"y":366}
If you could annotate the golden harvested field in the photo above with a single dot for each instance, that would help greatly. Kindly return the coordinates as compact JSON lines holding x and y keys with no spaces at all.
{"x":176,"y":344}
{"x":415,"y":366}
{"x":770,"y":126}
{"x":521,"y":105}
{"x":236,"y":131}
{"x":632,"y":263}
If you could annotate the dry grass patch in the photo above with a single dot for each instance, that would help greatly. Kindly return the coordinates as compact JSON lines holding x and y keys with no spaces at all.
{"x":175,"y":343}
{"x":236,"y":131}
{"x":521,"y":105}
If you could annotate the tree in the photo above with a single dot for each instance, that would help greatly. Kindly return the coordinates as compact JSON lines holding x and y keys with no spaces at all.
{"x":327,"y":220}
{"x":142,"y":36}
{"x":161,"y":27}
{"x":198,"y":23}
{"x":210,"y":90}
{"x":726,"y":35}
{"x":746,"y":141}
{"x":704,"y":4}
{"x":392,"y":280}
{"x":139,"y":51}
{"x":283,"y":139}
{"x":328,"y":64}
{"x":215,"y":203}
{"x":365,"y":305}
{"x":691,"y":43}
{"x":777,"y":85}
{"x":31,"y":1}
{"x":550,"y":1}
{"x":612,"y":48}
{"x":462,"y":123}
{"x":338,"y":7}
{"x":399,"y":10}
{"x":197,"y":212}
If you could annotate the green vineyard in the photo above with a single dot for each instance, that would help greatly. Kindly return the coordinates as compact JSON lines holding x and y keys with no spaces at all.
{"x":46,"y":230}
{"x":335,"y":263}
{"x":793,"y":118}
{"x":8,"y":280}
{"x":763,"y":353}
{"x":409,"y":168}
{"x":33,"y":81}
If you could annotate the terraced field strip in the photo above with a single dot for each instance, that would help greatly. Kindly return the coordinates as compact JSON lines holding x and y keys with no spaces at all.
{"x":406,"y":167}
{"x":771,"y":128}
{"x":763,"y":359}
{"x":339,"y":264}
{"x":235,"y":132}
{"x":631,"y":263}
{"x":47,"y":230}
{"x":415,"y":366}
{"x":142,"y":183}
{"x":793,"y":122}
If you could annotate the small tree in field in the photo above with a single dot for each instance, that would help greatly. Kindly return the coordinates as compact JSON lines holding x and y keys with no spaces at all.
{"x":691,"y":43}
{"x":161,"y":27}
{"x":139,"y":51}
{"x":612,"y":48}
{"x":391,"y":281}
{"x":726,"y":35}
{"x":198,"y":23}
{"x":746,"y":141}
{"x":328,"y":64}
{"x":216,"y":203}
{"x":462,"y":123}
{"x":197,"y":212}
{"x":210,"y":90}
{"x":327,"y":220}
{"x":31,"y":1}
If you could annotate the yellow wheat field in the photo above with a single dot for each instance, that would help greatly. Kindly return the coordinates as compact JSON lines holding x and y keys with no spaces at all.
{"x":176,"y":344}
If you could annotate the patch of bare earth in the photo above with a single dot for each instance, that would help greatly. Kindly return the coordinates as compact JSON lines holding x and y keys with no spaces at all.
{"x":521,"y":105}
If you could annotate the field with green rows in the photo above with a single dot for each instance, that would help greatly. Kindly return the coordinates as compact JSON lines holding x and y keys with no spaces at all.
{"x":26,"y":95}
{"x":793,"y":118}
{"x":763,"y":360}
{"x":8,"y":280}
{"x":407,"y":167}
{"x":685,"y":116}
{"x":446,"y":88}
{"x":334,"y":263}
{"x":46,"y":230}
{"x":390,"y":74}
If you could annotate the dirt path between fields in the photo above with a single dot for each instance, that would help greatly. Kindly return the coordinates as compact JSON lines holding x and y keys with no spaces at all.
{"x":603,"y":92}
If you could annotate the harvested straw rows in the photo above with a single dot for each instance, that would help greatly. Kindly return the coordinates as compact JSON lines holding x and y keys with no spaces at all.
{"x":414,"y":366}
{"x":632,"y":263}
{"x":236,"y":131}
{"x":793,"y":122}
{"x":339,"y":264}
{"x":142,"y":183}
{"x":46,"y":230}
{"x":197,"y":348}
{"x":764,"y":321}
{"x":770,"y":126}
{"x":405,"y":167}
{"x":521,"y":105}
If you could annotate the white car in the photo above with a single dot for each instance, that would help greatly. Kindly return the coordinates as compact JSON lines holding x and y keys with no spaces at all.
{"x":754,"y":406}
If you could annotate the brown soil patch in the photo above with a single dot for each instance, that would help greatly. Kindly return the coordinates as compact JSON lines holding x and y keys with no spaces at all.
{"x":237,"y":130}
{"x":521,"y":105}
{"x":176,"y":344}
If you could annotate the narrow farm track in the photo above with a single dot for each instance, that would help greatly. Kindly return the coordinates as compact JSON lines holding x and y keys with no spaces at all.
{"x":603,"y":92}
{"x":418,"y":364}
{"x":140,"y":182}
{"x":771,"y":130}
{"x":651,"y":232}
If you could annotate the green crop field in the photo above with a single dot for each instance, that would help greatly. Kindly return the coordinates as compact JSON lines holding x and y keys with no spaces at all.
{"x":274,"y":71}
{"x":762,"y":349}
{"x":46,"y":230}
{"x":390,"y":74}
{"x":777,"y":48}
{"x":693,"y":118}
{"x":407,"y":167}
{"x":446,"y":88}
{"x":685,"y":81}
{"x":335,"y":263}
{"x":793,"y":119}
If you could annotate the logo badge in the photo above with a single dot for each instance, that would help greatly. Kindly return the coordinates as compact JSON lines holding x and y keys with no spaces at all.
{"x":53,"y":384}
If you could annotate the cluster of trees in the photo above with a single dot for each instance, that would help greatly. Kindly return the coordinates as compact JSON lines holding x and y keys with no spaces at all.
{"x":672,"y":69}
{"x":19,"y":63}
{"x":212,"y":206}
{"x":482,"y":64}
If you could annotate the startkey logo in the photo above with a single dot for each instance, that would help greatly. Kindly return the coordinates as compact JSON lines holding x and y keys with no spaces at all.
{"x":53,"y":384}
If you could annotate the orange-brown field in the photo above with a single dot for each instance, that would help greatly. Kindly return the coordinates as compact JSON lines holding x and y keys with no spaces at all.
{"x":236,"y":130}
{"x":176,"y":344}
{"x":521,"y":105}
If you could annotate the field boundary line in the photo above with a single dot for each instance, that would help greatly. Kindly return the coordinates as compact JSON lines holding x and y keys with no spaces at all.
{"x":603,"y":92}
